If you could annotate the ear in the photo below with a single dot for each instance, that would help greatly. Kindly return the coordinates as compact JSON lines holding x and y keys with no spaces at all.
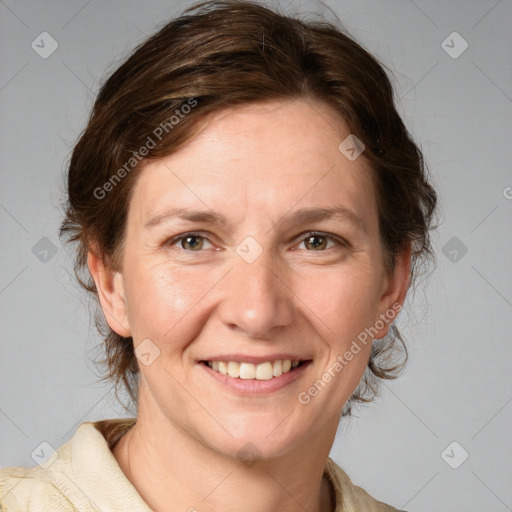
{"x":394,"y":291}
{"x":109,"y":284}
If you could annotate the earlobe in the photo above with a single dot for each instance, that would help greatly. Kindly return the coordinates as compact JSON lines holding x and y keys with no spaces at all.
{"x":110,"y":287}
{"x":395,"y":290}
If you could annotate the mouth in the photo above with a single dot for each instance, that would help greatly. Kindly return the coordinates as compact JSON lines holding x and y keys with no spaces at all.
{"x":266,"y":370}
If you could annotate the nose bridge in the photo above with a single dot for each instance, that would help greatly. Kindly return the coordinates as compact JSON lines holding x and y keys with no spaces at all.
{"x":255,"y":300}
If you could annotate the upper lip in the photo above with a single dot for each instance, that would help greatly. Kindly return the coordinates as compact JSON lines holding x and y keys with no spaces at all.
{"x":246,"y":358}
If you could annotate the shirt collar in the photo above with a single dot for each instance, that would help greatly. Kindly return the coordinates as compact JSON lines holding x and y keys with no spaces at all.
{"x":97,"y":472}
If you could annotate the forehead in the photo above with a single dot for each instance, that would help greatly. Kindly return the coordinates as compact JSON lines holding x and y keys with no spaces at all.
{"x":280,"y":132}
{"x":268,"y":157}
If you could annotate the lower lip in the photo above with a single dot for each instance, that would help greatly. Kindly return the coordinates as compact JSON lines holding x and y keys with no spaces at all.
{"x":254,"y":386}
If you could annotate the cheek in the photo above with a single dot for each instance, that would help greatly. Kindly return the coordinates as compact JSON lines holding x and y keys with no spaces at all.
{"x":341,"y":305}
{"x":160,"y":297}
{"x":344,"y":300}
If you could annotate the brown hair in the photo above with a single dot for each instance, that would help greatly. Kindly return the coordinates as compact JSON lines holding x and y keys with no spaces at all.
{"x":221,"y":54}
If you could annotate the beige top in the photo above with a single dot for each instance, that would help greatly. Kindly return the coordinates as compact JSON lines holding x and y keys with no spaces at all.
{"x":84,"y":476}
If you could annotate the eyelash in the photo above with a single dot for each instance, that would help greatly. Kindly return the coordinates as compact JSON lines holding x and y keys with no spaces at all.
{"x":340,"y":241}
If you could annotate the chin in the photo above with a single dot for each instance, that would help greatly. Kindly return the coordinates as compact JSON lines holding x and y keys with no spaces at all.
{"x":251,"y":439}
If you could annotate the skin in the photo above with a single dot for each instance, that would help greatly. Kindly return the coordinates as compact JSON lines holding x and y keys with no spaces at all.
{"x":253,"y":165}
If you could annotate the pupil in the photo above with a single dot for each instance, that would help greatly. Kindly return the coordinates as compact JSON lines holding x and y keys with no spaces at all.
{"x":316,"y":245}
{"x":191,"y":244}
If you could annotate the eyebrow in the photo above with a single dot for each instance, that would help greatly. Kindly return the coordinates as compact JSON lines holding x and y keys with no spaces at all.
{"x":304,"y":215}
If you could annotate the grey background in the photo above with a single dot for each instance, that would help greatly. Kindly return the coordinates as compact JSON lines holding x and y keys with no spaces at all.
{"x":457,"y":386}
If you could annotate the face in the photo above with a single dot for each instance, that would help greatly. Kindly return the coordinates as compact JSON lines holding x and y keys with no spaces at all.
{"x":252,"y":249}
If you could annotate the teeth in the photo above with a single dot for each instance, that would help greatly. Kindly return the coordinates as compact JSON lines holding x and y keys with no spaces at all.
{"x":248,"y":371}
{"x":233,"y":369}
{"x":223,"y":368}
{"x":264,"y":371}
{"x":278,"y":369}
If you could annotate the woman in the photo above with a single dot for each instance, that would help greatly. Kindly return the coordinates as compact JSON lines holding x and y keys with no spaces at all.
{"x":249,"y":210}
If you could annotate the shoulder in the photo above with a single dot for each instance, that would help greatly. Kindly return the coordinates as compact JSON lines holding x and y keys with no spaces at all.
{"x":29,"y":489}
{"x":350,"y":497}
{"x":49,"y":487}
{"x":61,"y":483}
{"x":25,"y":489}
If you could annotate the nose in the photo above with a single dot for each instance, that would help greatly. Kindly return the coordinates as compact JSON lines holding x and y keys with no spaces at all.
{"x":255,"y":297}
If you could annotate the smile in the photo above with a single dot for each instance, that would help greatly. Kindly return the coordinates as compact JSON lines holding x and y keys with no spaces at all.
{"x":249,"y":371}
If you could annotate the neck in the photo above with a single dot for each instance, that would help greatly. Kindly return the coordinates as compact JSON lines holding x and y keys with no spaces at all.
{"x":167,"y":466}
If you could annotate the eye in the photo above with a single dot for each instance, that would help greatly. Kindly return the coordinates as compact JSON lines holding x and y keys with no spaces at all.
{"x":190,"y":242}
{"x":316,"y":241}
{"x":313,"y":242}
